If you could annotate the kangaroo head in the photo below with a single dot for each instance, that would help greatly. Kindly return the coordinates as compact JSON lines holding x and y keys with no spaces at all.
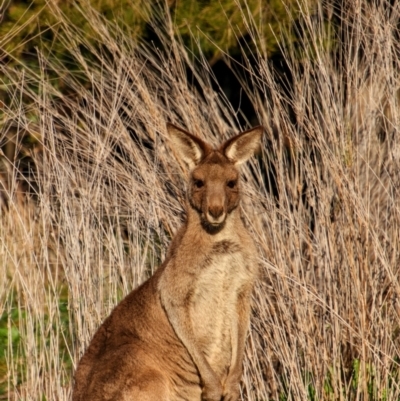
{"x":214,"y":176}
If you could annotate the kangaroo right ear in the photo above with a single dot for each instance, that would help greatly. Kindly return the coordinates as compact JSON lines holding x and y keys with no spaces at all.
{"x":186,"y":146}
{"x":244,"y":145}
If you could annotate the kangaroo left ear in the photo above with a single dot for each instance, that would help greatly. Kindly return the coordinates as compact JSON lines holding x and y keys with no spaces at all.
{"x":244,"y":145}
{"x":187,"y":146}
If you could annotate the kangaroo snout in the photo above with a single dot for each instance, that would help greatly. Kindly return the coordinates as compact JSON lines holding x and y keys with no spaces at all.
{"x":216,"y":215}
{"x":216,"y":211}
{"x":215,"y":207}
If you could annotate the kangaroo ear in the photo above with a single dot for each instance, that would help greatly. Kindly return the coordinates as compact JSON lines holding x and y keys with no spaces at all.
{"x":244,"y":145}
{"x":187,"y":147}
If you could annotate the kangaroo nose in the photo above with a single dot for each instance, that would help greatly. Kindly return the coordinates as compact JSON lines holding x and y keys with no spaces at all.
{"x":216,"y":211}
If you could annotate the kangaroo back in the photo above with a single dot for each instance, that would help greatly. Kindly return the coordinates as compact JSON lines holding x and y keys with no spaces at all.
{"x":181,"y":334}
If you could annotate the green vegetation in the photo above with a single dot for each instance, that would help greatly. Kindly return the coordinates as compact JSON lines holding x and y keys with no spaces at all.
{"x":30,"y":24}
{"x":218,"y":28}
{"x":9,"y":342}
{"x":14,"y":343}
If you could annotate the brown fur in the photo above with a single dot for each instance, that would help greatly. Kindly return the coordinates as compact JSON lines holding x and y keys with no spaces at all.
{"x":181,"y":334}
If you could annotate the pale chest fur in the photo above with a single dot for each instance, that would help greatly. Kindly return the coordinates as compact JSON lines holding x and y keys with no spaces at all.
{"x":226,"y":274}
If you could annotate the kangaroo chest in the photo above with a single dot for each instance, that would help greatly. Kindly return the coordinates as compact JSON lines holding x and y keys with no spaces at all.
{"x":223,"y":276}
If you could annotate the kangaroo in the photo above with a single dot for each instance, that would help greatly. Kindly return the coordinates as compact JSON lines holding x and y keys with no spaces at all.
{"x":180,"y":336}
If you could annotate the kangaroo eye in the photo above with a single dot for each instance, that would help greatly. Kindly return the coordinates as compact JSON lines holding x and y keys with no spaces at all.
{"x":198,"y":183}
{"x":231,"y":184}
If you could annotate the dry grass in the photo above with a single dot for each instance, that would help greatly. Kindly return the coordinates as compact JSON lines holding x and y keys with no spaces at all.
{"x":326,"y":321}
